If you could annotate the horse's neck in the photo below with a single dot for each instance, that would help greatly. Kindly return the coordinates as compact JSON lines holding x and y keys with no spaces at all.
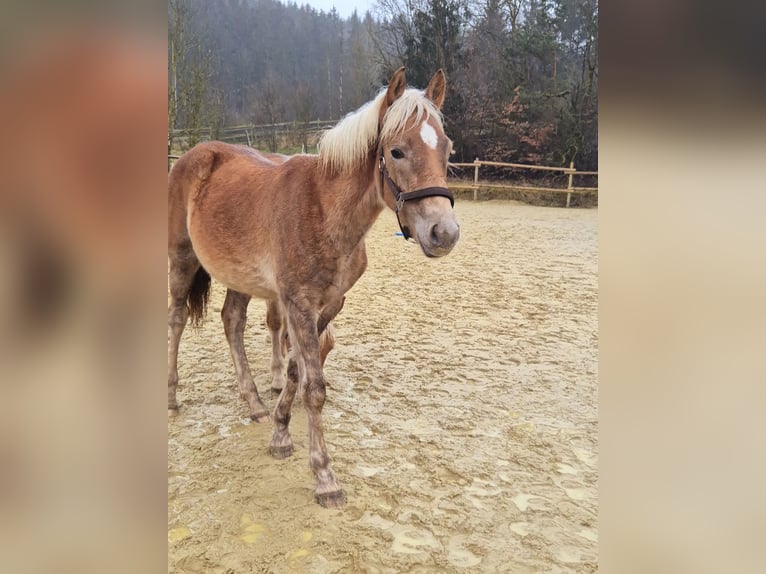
{"x":354,"y":205}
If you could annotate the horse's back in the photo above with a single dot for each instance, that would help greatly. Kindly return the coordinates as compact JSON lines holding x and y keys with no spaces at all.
{"x":221,"y":166}
{"x":265,"y":158}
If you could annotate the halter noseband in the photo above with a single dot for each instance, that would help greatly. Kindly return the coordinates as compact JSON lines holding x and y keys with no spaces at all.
{"x":400,"y":197}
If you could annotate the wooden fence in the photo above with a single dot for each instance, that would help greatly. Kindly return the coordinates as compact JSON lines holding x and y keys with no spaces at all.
{"x":475,"y":185}
{"x":569,"y":189}
{"x":248,"y":134}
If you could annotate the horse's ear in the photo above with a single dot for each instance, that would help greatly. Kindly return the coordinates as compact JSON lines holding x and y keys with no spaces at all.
{"x":396,"y":86}
{"x":437,"y":88}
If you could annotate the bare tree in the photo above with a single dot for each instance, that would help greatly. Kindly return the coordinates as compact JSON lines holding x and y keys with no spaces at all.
{"x":394,"y":30}
{"x":303,"y":102}
{"x":269,"y":108}
{"x":189,"y":72}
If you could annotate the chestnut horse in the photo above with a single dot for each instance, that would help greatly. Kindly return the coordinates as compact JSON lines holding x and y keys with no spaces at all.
{"x":291,"y":231}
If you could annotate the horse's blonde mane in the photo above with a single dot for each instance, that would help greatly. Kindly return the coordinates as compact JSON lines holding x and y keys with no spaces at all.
{"x":347,"y":145}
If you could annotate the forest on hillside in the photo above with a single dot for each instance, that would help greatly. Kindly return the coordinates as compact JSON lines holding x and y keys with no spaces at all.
{"x":522,"y":74}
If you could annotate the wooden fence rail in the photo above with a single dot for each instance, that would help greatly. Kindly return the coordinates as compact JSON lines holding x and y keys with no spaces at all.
{"x":248,"y":133}
{"x":476,"y":164}
{"x":570,"y":171}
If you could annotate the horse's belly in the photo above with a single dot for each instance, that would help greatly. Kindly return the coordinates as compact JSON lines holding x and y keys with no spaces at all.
{"x":228,"y":249}
{"x":243,"y":272}
{"x":255,"y":280}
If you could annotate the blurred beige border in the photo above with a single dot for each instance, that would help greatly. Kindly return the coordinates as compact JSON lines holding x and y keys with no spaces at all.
{"x":682,"y":284}
{"x":682,"y":287}
{"x":83,"y":98}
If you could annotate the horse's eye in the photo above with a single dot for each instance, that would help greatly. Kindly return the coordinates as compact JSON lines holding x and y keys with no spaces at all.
{"x":396,"y":153}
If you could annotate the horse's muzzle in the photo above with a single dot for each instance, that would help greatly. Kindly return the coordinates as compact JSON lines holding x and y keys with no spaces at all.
{"x":440,"y":238}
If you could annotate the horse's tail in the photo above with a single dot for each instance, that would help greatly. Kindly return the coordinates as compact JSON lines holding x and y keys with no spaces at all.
{"x":186,"y":176}
{"x":198,"y":296}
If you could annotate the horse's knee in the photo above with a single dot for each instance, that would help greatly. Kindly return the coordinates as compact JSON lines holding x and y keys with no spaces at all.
{"x":314,"y":394}
{"x":292,"y":370}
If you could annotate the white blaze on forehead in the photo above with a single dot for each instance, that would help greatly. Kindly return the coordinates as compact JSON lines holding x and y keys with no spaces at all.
{"x":428,"y":135}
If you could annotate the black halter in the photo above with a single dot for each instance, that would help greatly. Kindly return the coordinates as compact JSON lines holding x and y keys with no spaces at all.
{"x":401,"y":196}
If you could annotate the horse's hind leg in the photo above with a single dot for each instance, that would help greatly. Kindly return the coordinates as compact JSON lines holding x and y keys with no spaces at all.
{"x":184,"y":267}
{"x":326,"y":342}
{"x":326,"y":329}
{"x":234,"y":316}
{"x":278,"y":346}
{"x":178,"y":314}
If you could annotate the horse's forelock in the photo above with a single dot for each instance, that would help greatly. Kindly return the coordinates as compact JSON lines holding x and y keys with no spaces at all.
{"x":399,"y":115}
{"x":347,"y":145}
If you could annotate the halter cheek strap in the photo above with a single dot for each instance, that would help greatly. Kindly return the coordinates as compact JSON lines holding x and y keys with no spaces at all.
{"x":400,"y":197}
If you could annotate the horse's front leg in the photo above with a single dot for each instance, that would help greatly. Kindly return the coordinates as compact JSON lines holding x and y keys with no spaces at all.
{"x":305,"y":341}
{"x":281,"y":445}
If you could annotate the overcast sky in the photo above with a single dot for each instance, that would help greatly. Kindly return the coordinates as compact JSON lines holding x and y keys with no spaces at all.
{"x":344,"y":7}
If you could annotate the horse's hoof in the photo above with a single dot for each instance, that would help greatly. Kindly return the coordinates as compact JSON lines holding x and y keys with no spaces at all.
{"x":275,"y":391}
{"x":335,"y":499}
{"x":281,"y":451}
{"x":260,"y":418}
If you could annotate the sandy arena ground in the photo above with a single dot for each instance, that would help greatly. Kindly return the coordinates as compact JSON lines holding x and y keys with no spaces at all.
{"x":461,"y":419}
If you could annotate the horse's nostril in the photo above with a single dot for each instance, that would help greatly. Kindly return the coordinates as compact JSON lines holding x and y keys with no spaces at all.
{"x":435,"y":235}
{"x":443,"y":235}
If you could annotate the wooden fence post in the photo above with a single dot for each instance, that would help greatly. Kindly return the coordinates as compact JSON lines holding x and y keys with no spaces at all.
{"x":569,"y":184}
{"x":475,"y":178}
